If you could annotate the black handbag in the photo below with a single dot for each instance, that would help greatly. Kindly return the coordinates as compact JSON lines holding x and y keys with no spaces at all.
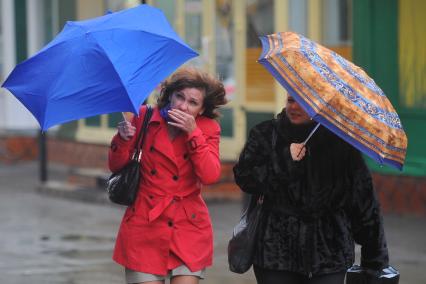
{"x":122,"y":186}
{"x":242,"y":245}
{"x":359,"y":275}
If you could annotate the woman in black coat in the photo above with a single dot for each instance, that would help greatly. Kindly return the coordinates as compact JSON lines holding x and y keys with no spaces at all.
{"x":318,"y":200}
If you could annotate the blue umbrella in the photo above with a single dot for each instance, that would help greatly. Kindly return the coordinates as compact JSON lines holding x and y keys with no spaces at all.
{"x":97,"y":66}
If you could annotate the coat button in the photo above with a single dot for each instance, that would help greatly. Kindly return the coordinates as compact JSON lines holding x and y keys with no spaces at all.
{"x":150,"y":196}
{"x":151,"y":148}
{"x":185,"y":156}
{"x":113,"y":147}
{"x":170,"y":223}
{"x":193,"y":144}
{"x":153,"y":171}
{"x":175,"y":177}
{"x":193,"y":216}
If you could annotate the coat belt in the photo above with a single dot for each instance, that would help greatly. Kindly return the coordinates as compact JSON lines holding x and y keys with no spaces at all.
{"x":166,"y":200}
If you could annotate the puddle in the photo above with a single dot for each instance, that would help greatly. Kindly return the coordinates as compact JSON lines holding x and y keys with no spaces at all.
{"x":85,"y":238}
{"x":86,"y":254}
{"x":77,"y":246}
{"x":44,"y":238}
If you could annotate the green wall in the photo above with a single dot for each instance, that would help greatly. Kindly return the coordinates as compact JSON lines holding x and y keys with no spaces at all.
{"x":21,"y":30}
{"x":254,"y":118}
{"x":66,"y":12}
{"x":375,"y":48}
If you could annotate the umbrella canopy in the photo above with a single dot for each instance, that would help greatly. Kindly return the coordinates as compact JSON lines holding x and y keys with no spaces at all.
{"x":337,"y":94}
{"x":102,"y":65}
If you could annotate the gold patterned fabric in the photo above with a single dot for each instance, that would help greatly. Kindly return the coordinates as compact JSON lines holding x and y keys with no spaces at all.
{"x":337,"y":94}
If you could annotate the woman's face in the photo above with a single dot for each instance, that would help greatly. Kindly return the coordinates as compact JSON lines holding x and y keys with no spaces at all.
{"x":188,"y":100}
{"x":295,"y":112}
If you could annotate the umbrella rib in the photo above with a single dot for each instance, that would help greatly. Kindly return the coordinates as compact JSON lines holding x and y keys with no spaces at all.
{"x":135,"y":30}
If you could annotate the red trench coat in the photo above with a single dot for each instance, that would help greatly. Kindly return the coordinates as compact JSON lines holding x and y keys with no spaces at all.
{"x":169,"y":224}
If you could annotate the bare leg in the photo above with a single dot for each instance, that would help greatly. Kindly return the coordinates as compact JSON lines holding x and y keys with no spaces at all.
{"x":184,"y":279}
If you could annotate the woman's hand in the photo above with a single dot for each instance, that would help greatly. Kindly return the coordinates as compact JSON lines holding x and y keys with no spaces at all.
{"x":182,"y":120}
{"x":297,"y":151}
{"x":126,"y":130}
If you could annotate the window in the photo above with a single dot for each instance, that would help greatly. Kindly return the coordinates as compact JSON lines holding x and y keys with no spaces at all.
{"x":260,"y":21}
{"x":336,"y":26}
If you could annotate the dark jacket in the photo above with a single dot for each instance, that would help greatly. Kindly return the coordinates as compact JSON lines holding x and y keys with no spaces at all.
{"x":315,"y":209}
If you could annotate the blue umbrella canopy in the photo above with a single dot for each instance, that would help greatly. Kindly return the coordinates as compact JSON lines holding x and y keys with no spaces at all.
{"x":101,"y":65}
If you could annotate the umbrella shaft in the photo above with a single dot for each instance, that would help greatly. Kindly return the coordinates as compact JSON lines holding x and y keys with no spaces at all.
{"x":310,"y":134}
{"x":124,"y":117}
{"x":309,"y":137}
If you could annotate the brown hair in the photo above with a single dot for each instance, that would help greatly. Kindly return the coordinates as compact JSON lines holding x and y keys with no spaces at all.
{"x":189,"y":77}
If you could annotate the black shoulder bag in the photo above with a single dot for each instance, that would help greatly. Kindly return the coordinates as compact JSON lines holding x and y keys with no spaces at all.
{"x":242,"y":245}
{"x":122,"y":186}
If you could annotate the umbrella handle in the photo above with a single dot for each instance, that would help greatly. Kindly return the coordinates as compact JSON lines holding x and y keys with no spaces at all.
{"x":124,"y":117}
{"x":309,"y":137}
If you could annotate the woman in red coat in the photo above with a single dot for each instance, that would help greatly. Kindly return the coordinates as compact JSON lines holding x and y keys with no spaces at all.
{"x":167,"y":232}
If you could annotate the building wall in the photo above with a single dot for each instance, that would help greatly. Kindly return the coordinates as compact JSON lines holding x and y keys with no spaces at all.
{"x":13,"y":116}
{"x":383,"y":47}
{"x":225,"y":34}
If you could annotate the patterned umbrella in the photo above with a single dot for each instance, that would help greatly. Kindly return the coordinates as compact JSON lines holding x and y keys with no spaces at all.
{"x":337,"y":94}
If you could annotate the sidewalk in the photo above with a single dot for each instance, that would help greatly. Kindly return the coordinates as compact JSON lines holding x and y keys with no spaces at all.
{"x":406,"y":235}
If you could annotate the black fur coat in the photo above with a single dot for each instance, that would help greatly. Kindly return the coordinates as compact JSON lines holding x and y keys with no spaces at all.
{"x":315,"y":209}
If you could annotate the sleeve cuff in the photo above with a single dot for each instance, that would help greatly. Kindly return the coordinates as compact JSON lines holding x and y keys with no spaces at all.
{"x":118,"y":142}
{"x":195,"y":138}
{"x":197,"y":132}
{"x":374,"y":261}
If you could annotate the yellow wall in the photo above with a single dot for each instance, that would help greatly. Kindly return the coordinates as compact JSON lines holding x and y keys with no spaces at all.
{"x":89,"y":9}
{"x":412,"y":52}
{"x":260,"y":84}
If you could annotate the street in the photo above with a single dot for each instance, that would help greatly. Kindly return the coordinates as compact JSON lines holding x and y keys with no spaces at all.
{"x":47,"y":239}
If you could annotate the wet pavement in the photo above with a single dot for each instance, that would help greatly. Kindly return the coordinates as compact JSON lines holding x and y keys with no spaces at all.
{"x":45,"y":239}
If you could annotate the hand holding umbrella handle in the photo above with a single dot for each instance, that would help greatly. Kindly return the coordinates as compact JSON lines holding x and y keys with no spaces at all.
{"x":297,"y":151}
{"x":300,"y":152}
{"x":126,"y":129}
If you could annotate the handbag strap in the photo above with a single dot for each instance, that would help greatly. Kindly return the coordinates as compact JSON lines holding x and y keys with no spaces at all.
{"x":274,"y":158}
{"x":141,"y":138}
{"x":257,"y":199}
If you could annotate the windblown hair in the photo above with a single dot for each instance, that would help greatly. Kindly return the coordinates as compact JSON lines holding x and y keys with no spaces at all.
{"x":189,"y":77}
